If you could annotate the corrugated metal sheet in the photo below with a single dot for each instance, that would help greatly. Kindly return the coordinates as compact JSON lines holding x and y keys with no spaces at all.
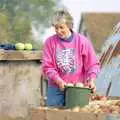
{"x":110,"y":73}
{"x":110,"y":59}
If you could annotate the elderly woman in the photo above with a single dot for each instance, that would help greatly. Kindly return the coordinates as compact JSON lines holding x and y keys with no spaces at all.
{"x":68,"y":57}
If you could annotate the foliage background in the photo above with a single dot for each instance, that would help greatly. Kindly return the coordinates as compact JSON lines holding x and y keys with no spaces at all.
{"x":18,"y":17}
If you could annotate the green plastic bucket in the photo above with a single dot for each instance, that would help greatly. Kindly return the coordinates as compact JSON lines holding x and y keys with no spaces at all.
{"x":77,"y":96}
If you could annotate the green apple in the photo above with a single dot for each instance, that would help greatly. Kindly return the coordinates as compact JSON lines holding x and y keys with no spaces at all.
{"x":28,"y":46}
{"x":19,"y":46}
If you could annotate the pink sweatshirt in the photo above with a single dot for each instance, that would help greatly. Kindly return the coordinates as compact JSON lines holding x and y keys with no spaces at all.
{"x":73,"y":61}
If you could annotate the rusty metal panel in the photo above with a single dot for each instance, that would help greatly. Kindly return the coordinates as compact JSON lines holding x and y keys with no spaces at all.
{"x":108,"y":81}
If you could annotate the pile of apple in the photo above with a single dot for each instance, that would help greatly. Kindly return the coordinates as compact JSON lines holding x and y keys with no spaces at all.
{"x":76,"y":85}
{"x":103,"y":106}
{"x":22,"y":46}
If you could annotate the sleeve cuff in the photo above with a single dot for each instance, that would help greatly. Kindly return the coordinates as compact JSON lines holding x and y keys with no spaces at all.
{"x":92,"y":76}
{"x":57,"y":78}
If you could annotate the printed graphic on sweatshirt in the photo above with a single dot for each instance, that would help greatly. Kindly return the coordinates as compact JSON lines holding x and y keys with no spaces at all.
{"x":66,"y":60}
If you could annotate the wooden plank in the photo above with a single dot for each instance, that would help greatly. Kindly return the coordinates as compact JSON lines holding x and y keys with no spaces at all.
{"x":112,"y":51}
{"x":20,"y":55}
{"x":105,"y":55}
{"x":116,"y":51}
{"x":56,"y":114}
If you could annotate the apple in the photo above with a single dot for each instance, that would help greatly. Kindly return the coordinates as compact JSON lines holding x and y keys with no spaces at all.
{"x":28,"y":46}
{"x":69,"y":85}
{"x":19,"y":46}
{"x":76,"y":109}
{"x":79,"y":84}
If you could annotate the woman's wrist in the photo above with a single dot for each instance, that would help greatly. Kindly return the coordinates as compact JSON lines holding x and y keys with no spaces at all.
{"x":92,"y":77}
{"x":91,"y":80}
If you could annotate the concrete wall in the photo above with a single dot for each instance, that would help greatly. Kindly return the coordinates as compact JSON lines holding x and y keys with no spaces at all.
{"x":55,"y":114}
{"x":19,"y":89}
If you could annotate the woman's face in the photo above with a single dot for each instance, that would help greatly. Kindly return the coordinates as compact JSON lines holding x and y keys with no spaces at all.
{"x":62,"y":30}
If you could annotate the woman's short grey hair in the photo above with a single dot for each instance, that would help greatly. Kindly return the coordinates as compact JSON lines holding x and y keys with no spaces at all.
{"x":63,"y":16}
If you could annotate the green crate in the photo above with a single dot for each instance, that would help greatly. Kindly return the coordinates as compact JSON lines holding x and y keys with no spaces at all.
{"x":77,"y":96}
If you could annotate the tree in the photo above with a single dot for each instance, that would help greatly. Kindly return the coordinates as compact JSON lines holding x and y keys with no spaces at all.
{"x":21,"y":14}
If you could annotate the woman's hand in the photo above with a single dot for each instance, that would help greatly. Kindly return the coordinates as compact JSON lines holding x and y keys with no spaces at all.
{"x":92,"y":85}
{"x":61,"y":84}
